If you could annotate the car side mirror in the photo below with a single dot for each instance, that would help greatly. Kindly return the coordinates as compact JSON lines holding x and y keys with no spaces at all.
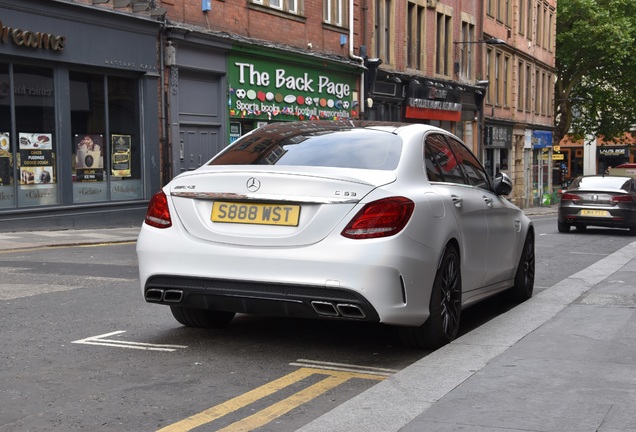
{"x":503,"y":184}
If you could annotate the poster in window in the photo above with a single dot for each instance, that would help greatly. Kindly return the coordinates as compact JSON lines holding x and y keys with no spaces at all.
{"x":121,"y":145}
{"x":89,"y":157}
{"x":36,"y":158}
{"x":6,"y":159}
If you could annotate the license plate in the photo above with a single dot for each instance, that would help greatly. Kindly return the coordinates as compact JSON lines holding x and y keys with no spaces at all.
{"x":258,"y":214}
{"x":601,"y":213}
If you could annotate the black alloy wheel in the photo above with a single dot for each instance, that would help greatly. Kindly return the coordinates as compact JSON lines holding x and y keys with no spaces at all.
{"x":524,"y":278}
{"x":445,"y":307}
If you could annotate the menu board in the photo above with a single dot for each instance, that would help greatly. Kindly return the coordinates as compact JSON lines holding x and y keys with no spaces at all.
{"x":121,"y":145}
{"x":89,"y":159}
{"x":36,"y":158}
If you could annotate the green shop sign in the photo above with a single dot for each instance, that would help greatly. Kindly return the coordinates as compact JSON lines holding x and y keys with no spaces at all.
{"x":272,"y":90}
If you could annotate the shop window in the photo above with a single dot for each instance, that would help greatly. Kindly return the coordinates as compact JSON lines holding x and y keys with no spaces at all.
{"x":88,"y":129}
{"x":125,"y":143}
{"x":37,"y":151}
{"x":7,"y":158}
{"x":104,"y":127}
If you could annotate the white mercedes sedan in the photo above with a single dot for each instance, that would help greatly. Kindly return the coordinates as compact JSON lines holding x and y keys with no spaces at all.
{"x":345,"y":220}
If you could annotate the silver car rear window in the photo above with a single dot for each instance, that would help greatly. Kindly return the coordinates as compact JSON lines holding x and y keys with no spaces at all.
{"x":352,"y":148}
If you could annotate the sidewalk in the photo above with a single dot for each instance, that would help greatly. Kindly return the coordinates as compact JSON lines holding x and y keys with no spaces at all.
{"x":564,"y":360}
{"x":33,"y":239}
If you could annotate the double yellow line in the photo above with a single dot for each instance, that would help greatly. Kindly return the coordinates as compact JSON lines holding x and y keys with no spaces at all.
{"x":333,"y":379}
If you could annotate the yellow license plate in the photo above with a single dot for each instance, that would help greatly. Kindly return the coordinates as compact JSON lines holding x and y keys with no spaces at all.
{"x":601,"y":213}
{"x":259,"y":214}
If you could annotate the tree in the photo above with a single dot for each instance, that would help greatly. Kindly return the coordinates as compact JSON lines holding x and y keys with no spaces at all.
{"x":596,"y":68}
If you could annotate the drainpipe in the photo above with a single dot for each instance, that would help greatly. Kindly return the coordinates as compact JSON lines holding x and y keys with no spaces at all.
{"x":357,"y":58}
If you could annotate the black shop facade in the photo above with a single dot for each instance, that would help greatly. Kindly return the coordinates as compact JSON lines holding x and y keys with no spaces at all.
{"x":448,"y":105}
{"x":76,"y":148}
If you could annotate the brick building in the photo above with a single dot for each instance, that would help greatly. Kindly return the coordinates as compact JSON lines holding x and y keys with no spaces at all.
{"x":129,"y":93}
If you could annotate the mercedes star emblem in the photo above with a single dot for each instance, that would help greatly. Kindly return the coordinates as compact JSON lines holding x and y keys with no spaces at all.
{"x":253,"y":184}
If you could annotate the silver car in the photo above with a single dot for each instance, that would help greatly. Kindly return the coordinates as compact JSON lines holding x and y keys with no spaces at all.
{"x":345,"y":220}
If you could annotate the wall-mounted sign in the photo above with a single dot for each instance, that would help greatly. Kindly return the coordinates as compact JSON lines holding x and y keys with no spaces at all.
{"x":433,"y":102}
{"x":270,"y":90}
{"x":31,"y":39}
{"x":498,"y":136}
{"x":541,"y":139}
{"x":612,"y":151}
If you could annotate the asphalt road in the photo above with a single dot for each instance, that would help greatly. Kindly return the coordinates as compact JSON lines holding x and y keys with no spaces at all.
{"x":81,"y":350}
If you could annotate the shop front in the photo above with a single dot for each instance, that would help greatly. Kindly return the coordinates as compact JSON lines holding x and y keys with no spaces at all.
{"x":497,"y":148}
{"x":611,"y":156}
{"x":76,"y":148}
{"x":542,"y":193}
{"x":268,"y":86}
{"x":452,"y":107}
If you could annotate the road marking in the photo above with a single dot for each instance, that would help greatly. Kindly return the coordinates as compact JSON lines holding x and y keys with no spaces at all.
{"x":344,"y":367}
{"x":99,"y":340}
{"x":266,"y":415}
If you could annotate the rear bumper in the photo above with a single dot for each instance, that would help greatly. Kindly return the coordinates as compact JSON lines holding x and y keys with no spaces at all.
{"x":259,"y":298}
{"x":619,"y":218}
{"x":338,"y":278}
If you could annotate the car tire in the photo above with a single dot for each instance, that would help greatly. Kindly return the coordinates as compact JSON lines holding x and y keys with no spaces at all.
{"x":563,"y":227}
{"x":201,"y":318}
{"x":632,"y":231}
{"x":445,"y":306}
{"x":524,"y":277}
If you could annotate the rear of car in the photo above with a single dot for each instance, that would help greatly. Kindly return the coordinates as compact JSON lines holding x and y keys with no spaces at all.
{"x":336,"y":220}
{"x":273,"y":226}
{"x":599,"y":200}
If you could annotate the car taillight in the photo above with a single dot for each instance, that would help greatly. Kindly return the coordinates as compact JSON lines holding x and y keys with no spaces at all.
{"x":621,"y":199}
{"x":570,"y":197}
{"x":382,"y":218}
{"x":158,"y":214}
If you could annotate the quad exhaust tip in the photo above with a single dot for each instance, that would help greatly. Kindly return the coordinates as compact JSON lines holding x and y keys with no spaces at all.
{"x":343,"y":310}
{"x":168,"y":296}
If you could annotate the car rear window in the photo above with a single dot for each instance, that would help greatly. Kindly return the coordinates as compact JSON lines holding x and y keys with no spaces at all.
{"x":353,"y":148}
{"x":606,"y":182}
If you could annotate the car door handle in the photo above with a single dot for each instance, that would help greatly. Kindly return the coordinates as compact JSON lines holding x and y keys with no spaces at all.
{"x":488,"y":201}
{"x":457,"y":201}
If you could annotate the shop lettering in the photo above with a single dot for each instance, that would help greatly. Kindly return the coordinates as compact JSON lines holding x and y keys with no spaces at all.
{"x":427,"y":103}
{"x":89,"y":191}
{"x":6,"y":197}
{"x":125,"y":189}
{"x":32,"y":91}
{"x":248,"y":74}
{"x":339,"y":90}
{"x":30,"y":39}
{"x":38,"y":194}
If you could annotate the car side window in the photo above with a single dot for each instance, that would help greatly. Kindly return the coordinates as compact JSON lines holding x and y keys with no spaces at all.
{"x":476,"y":174}
{"x":440,"y":161}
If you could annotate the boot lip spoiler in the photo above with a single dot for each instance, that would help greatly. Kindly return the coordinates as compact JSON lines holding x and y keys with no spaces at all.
{"x":213,"y":196}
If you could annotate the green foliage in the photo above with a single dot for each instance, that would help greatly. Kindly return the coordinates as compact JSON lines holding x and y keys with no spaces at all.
{"x":596,"y":67}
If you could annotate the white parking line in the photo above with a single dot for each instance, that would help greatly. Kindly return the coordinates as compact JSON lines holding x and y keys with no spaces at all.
{"x":99,"y":340}
{"x":344,"y":367}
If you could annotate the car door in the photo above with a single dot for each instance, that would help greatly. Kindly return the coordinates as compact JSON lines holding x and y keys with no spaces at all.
{"x":464,"y":201}
{"x":500,"y":218}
